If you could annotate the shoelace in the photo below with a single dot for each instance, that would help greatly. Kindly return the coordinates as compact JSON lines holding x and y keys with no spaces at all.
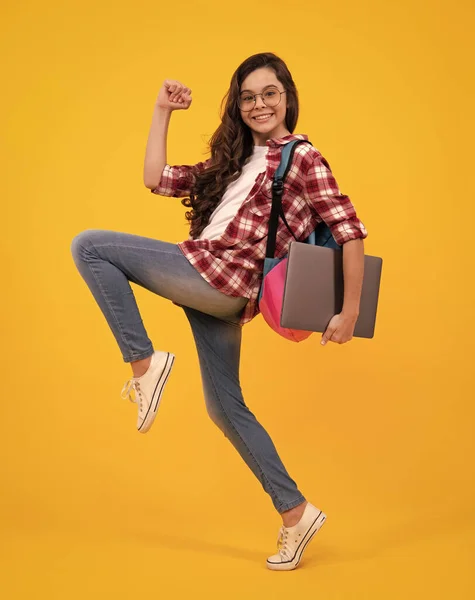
{"x":282,"y":547}
{"x":132,"y":384}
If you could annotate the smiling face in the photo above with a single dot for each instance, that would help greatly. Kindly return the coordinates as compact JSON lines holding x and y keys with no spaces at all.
{"x":273,"y":126}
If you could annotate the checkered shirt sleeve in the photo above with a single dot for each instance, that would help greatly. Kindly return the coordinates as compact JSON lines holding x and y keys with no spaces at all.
{"x":177,"y":181}
{"x":333,"y":207}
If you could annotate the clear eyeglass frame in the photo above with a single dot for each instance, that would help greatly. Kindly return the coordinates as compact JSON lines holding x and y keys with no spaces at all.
{"x":262,"y":94}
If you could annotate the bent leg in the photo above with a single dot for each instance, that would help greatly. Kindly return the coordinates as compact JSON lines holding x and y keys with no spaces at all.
{"x":108,"y":260}
{"x":219,"y":344}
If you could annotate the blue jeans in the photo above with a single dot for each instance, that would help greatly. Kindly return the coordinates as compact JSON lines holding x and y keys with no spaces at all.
{"x":108,"y":261}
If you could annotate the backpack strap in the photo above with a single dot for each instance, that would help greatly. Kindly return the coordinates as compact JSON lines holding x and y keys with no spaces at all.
{"x":277,"y":191}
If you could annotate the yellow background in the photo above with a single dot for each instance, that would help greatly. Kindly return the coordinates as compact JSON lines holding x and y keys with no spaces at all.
{"x":377,"y":433}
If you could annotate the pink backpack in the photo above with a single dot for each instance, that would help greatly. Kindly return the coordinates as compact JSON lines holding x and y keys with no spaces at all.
{"x":271,"y":293}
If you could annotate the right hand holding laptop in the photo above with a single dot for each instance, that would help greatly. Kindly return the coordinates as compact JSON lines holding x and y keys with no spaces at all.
{"x":340,"y":329}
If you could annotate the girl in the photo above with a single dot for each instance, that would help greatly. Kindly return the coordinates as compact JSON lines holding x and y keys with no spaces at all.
{"x":215,"y":275}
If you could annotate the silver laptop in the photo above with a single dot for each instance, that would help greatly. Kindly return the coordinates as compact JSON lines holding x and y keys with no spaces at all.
{"x":314,"y":292}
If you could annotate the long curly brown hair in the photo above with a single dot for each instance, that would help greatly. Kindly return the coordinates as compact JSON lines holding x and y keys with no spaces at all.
{"x":232,"y":142}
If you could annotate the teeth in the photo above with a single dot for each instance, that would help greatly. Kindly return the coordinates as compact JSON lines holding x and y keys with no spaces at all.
{"x":263,"y":118}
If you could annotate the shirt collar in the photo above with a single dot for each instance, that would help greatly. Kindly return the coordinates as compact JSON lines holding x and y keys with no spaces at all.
{"x":275,"y":142}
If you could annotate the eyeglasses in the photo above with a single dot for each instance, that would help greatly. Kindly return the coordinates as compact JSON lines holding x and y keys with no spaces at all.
{"x":271,"y":97}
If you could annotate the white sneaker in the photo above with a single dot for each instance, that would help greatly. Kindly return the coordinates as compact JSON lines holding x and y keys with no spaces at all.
{"x":149,"y":388}
{"x":292,"y":541}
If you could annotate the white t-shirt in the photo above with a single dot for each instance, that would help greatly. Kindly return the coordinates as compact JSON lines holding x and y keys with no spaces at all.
{"x":235,"y":194}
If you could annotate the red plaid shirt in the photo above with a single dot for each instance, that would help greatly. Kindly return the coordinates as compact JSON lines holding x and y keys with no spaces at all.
{"x":234,"y":262}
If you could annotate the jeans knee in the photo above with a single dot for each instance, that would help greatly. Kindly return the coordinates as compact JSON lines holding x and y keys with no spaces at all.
{"x":218,"y":417}
{"x":80,"y":242}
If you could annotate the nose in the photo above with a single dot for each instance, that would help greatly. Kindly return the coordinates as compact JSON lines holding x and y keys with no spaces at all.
{"x":260,"y":102}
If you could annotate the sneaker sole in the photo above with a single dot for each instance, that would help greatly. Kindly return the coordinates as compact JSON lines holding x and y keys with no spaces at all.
{"x":311,"y":531}
{"x":157,"y":394}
